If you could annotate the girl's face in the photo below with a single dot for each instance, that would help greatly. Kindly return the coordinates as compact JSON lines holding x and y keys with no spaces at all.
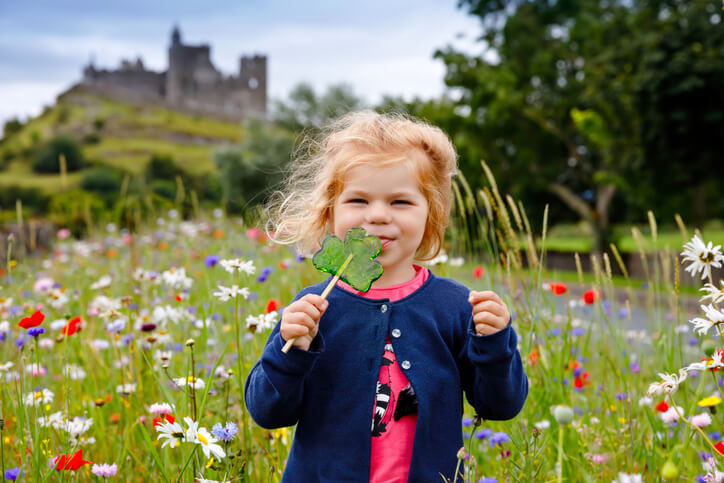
{"x":387,"y":202}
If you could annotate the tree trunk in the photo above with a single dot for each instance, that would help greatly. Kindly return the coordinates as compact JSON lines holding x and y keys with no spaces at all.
{"x":596,"y":217}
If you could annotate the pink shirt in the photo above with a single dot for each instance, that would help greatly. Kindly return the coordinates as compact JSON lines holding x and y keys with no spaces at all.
{"x":393,"y":424}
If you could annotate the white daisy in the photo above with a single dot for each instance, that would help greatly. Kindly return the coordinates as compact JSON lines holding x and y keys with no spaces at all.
{"x":702,"y":257}
{"x":261,"y":322}
{"x":713,"y":317}
{"x":201,"y":436}
{"x":126,"y":389}
{"x":715,"y":362}
{"x":190,"y":381}
{"x":103,"y":282}
{"x":37,"y":398}
{"x":668,"y":385}
{"x":238,"y":265}
{"x":173,"y":433}
{"x":226,"y":293}
{"x":626,"y":478}
{"x":176,"y":278}
{"x":714,"y":294}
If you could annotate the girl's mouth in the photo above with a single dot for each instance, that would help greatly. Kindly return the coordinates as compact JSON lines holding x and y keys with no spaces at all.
{"x":386,"y":242}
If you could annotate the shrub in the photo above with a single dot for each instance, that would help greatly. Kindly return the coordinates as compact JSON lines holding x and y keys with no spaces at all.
{"x":162,"y":166}
{"x":11,"y":127}
{"x":99,"y":123}
{"x":75,"y":210}
{"x":47,"y":158}
{"x":92,"y":138}
{"x":164,"y":188}
{"x":33,"y":199}
{"x":104,"y":181}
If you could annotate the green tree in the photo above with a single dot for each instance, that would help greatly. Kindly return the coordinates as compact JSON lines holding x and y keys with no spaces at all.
{"x":555,"y":105}
{"x":249,"y":171}
{"x":47,"y":158}
{"x":305,"y":109}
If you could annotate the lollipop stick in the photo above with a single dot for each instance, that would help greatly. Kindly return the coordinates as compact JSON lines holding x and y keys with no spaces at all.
{"x":327,"y":289}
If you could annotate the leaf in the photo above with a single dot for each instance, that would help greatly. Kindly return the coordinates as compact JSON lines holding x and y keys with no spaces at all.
{"x":362,"y":269}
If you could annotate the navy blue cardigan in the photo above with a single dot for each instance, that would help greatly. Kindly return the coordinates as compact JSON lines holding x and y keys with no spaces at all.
{"x":329,"y":391}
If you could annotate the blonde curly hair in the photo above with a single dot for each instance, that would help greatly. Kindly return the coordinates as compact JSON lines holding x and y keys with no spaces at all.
{"x":300,"y":213}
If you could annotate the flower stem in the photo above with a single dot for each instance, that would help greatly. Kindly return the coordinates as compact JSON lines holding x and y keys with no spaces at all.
{"x":559,"y":463}
{"x":673,"y":404}
{"x":188,"y":460}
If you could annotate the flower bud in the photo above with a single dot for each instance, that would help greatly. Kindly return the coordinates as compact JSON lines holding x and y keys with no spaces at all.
{"x":190,"y":343}
{"x":669,"y":471}
{"x":563,"y":414}
{"x":708,"y":346}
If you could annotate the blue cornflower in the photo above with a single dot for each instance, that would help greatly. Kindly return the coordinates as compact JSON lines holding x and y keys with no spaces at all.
{"x":484,"y":433}
{"x":35,"y":331}
{"x":498,"y":438}
{"x":487,"y":480}
{"x":467,"y":422}
{"x":578,"y":331}
{"x":225,"y":433}
{"x":12,"y":474}
{"x":555,"y":331}
{"x":266,"y":271}
{"x":211,"y":260}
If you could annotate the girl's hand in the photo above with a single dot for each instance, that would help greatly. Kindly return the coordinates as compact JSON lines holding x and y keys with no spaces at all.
{"x":490,"y":314}
{"x":301,"y":320}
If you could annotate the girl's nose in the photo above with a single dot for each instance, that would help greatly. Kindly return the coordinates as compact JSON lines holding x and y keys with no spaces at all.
{"x":377,"y":213}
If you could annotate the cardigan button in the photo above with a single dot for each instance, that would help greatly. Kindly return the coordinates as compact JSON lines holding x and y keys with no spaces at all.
{"x":406,"y":365}
{"x":383,"y":308}
{"x":396,"y":333}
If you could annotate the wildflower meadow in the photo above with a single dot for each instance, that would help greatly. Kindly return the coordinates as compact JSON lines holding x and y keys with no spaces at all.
{"x":123,"y":356}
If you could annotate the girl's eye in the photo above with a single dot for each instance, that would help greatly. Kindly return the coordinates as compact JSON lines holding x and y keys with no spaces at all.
{"x":404,"y":202}
{"x":356,"y":200}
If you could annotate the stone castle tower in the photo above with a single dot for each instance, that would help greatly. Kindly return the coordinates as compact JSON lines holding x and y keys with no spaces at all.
{"x":190,"y":83}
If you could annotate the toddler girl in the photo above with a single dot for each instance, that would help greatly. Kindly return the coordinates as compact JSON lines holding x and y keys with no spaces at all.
{"x":375,"y":381}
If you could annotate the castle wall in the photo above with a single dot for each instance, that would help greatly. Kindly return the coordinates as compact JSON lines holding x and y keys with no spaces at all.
{"x":192,"y":82}
{"x":144,"y":81}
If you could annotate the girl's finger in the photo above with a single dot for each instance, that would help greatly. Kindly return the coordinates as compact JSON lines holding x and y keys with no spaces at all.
{"x":489,"y":306}
{"x":476,"y":297}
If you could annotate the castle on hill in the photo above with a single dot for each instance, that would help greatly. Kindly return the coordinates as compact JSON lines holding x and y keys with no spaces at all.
{"x":191,"y":82}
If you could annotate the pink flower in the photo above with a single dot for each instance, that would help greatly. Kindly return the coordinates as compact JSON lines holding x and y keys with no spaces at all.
{"x":701,"y":420}
{"x":598,"y":458}
{"x":42,"y":284}
{"x":63,"y":233}
{"x":671,"y":416}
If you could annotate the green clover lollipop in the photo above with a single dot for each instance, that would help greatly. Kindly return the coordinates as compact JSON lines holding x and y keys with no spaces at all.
{"x":352,"y":262}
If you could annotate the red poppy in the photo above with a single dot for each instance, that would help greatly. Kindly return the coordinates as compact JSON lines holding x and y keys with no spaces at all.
{"x":70,"y":462}
{"x":558,"y":288}
{"x":719,"y":447}
{"x":272,"y":305}
{"x":162,"y":418}
{"x":478,"y":272}
{"x":33,"y":321}
{"x":533,"y":357}
{"x":662,"y":407}
{"x":179,"y":298}
{"x":73,"y":326}
{"x":589,"y":296}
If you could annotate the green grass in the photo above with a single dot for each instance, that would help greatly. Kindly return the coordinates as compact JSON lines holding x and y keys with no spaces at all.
{"x":20,"y":174}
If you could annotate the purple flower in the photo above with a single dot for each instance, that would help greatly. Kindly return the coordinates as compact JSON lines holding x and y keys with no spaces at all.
{"x":487,"y":480}
{"x":225,"y":433}
{"x":261,"y":278}
{"x":715,"y":435}
{"x":622,"y":313}
{"x":634,"y":367}
{"x":266,"y":271}
{"x":12,"y":474}
{"x":621,"y":396}
{"x":299,"y":258}
{"x":211,"y":260}
{"x":578,"y":331}
{"x":705,"y":456}
{"x":467,"y":422}
{"x":35,"y":331}
{"x":104,"y":470}
{"x":555,"y":331}
{"x":498,"y":438}
{"x":484,"y":433}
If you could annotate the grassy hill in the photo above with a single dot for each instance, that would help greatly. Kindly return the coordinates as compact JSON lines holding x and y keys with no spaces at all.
{"x":116,"y":134}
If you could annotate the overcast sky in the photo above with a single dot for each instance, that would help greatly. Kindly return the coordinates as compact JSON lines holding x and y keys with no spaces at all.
{"x":377,"y":46}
